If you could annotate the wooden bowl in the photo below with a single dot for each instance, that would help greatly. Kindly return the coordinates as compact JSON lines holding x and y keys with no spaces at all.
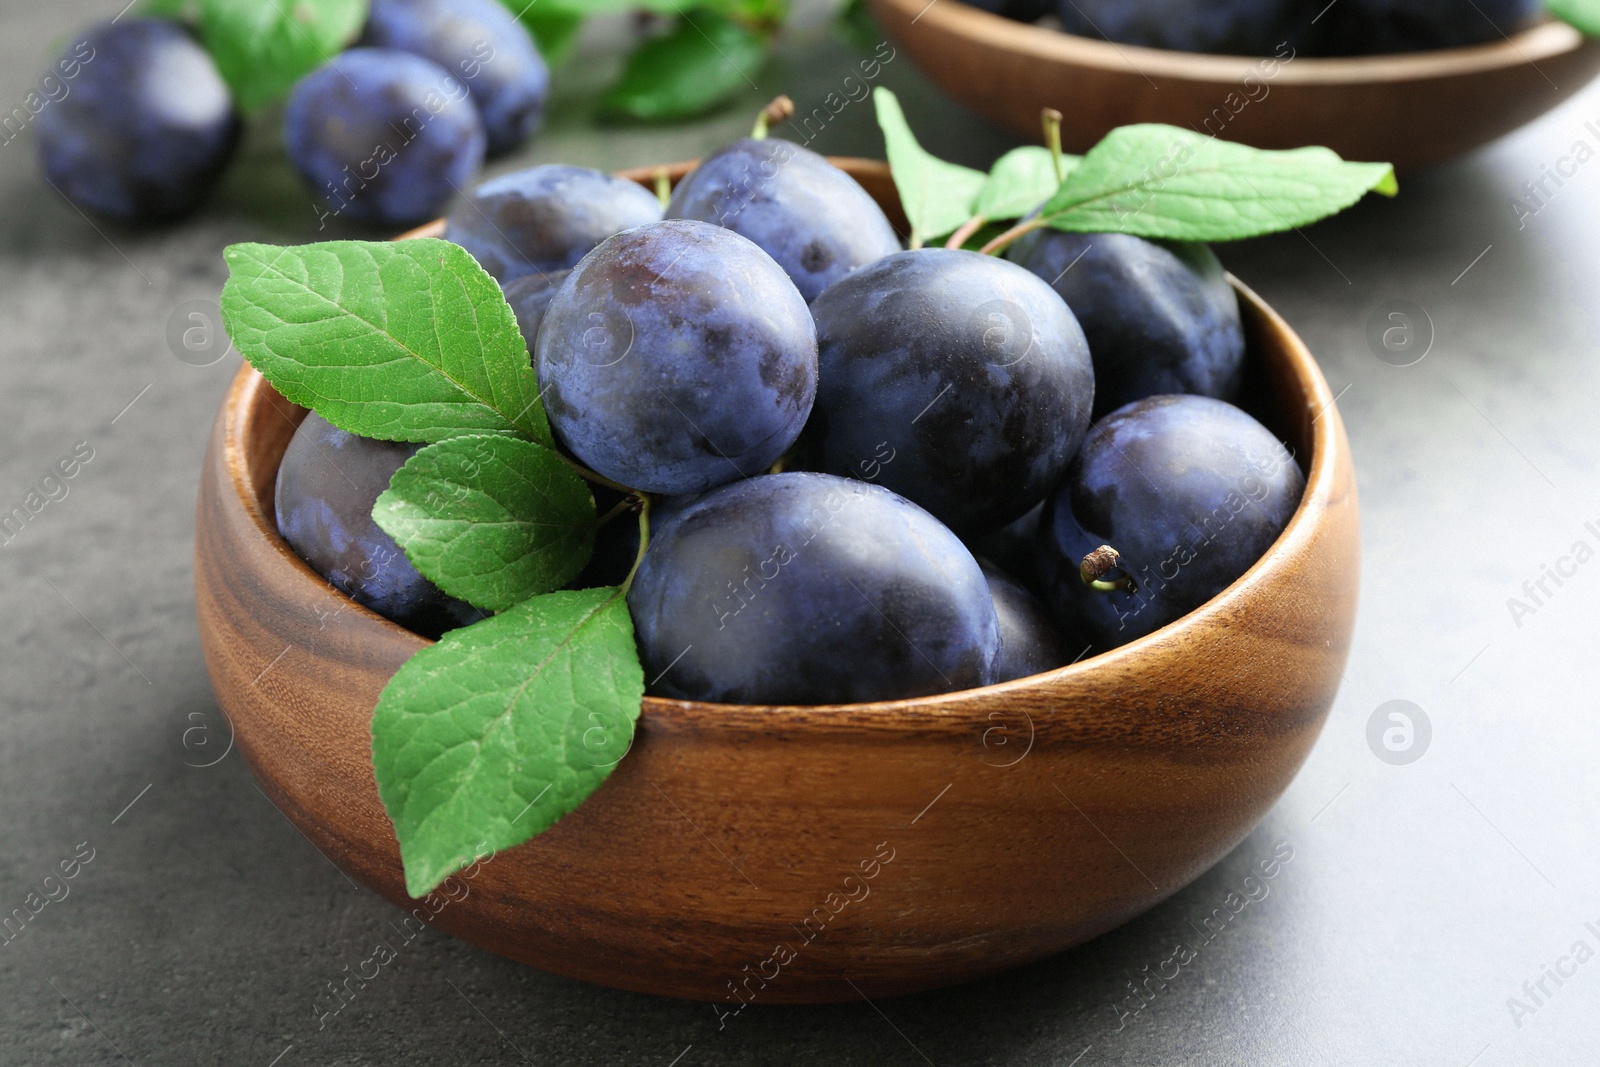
{"x":806,"y":854}
{"x":1411,"y":109}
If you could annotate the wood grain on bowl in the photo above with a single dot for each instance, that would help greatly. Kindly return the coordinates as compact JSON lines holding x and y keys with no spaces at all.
{"x":806,"y":854}
{"x":1412,"y":109}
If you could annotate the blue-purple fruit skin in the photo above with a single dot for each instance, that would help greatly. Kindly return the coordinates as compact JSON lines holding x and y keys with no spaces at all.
{"x":1227,"y":27}
{"x":546,"y":218}
{"x":1013,"y":548}
{"x":677,"y":357}
{"x":960,"y":381}
{"x":1020,"y":10}
{"x":1360,"y":27}
{"x":616,"y":543}
{"x":529,"y":297}
{"x":384,"y":137}
{"x":1191,"y":491}
{"x":807,"y":214}
{"x":803,"y":588}
{"x":327,"y":484}
{"x":144,"y":124}
{"x":480,"y":42}
{"x":1160,"y":316}
{"x":1029,"y":641}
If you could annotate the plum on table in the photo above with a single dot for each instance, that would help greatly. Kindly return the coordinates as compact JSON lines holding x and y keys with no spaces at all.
{"x":546,"y":218}
{"x":146,"y":124}
{"x":963,"y":379}
{"x":1159,"y":316}
{"x":804,"y":212}
{"x":482,"y":43}
{"x":327,"y":483}
{"x":804,"y":588}
{"x":383,"y":136}
{"x":678,"y":356}
{"x":1188,"y":492}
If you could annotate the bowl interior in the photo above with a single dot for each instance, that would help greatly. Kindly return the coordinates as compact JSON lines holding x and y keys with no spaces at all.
{"x":1540,"y":41}
{"x":1411,"y":109}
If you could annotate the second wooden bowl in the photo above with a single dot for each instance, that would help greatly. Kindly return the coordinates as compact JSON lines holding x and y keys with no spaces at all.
{"x":1411,"y":109}
{"x":806,"y":854}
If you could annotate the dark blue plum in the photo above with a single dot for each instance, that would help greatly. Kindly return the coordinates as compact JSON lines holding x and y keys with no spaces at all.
{"x":546,"y":218}
{"x":616,"y":543}
{"x":482,"y":43}
{"x":804,"y":588}
{"x":958,"y":380}
{"x":137,"y":123}
{"x":1363,"y":27}
{"x":1020,"y":10}
{"x":327,"y":484}
{"x":1190,"y":492}
{"x":803,"y":211}
{"x":1029,"y":642}
{"x":1160,"y":316}
{"x":676,"y":357}
{"x":384,"y":137}
{"x":1227,"y":27}
{"x":1014,"y":547}
{"x":529,"y":297}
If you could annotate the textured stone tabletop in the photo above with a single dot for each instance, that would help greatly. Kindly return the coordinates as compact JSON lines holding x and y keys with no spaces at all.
{"x":1420,"y":897}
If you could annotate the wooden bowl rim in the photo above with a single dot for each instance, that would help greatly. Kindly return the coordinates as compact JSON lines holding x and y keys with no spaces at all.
{"x":1322,"y":482}
{"x":1541,"y":41}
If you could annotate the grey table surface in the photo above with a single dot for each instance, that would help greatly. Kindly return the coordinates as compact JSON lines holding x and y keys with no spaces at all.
{"x":1420,"y":897}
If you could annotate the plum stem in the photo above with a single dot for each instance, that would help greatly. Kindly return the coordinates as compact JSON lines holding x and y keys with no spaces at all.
{"x":964,"y":233}
{"x":780,"y":110}
{"x":1101,"y":562}
{"x":1052,"y":137}
{"x":663,"y":187}
{"x":644,"y":539}
{"x":1000,"y":243}
{"x":590,"y":476}
{"x":625,"y":504}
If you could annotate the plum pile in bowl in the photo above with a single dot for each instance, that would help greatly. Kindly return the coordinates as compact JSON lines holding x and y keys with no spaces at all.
{"x":832,"y":436}
{"x":1266,"y":27}
{"x":734,"y":445}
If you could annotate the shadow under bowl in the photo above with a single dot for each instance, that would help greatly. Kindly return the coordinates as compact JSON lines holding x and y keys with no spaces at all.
{"x":811,"y":854}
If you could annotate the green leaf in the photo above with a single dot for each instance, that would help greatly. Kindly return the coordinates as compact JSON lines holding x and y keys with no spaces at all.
{"x":488,"y":737}
{"x":855,"y":26}
{"x":609,"y":7}
{"x":1020,"y":181}
{"x":399,"y":340}
{"x":1583,"y":14}
{"x":492,"y":520}
{"x":749,"y":10}
{"x":937,"y":196}
{"x":553,"y":30}
{"x":1165,"y":182}
{"x":164,"y":9}
{"x":706,"y":60}
{"x":262,"y":47}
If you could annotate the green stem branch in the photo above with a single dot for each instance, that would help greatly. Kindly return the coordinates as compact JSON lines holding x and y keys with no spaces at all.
{"x":644,"y":540}
{"x":965,"y":231}
{"x":1002,"y":242}
{"x":588,"y":475}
